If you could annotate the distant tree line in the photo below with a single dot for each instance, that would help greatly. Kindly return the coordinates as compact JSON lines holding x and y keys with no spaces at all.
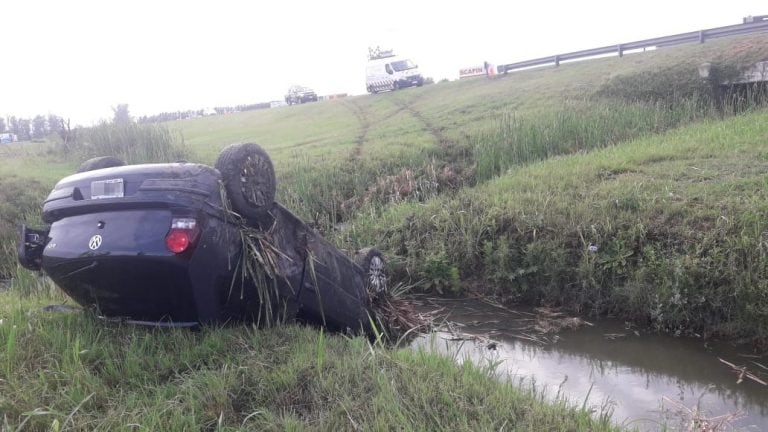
{"x":41,"y":126}
{"x":180,"y":115}
{"x":37,"y":127}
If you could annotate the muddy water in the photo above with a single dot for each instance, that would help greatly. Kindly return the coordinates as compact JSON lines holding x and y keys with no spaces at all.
{"x":647,"y":380}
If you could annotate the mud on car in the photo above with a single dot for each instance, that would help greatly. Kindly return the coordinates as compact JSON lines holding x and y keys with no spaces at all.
{"x":167,"y":244}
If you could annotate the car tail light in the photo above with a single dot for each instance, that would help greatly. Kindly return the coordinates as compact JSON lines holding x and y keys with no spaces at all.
{"x":182,"y":235}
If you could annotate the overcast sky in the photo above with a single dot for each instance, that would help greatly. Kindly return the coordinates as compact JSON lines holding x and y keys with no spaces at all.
{"x":78,"y":58}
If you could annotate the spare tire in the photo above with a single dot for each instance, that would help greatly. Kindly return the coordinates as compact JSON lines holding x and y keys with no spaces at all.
{"x":248,"y":177}
{"x":375,"y":268}
{"x":99,"y":163}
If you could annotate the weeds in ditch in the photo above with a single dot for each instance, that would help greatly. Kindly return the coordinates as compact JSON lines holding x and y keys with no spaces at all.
{"x":395,"y":318}
{"x":132,"y":142}
{"x":328,"y":191}
{"x":577,"y":127}
{"x":20,"y":202}
{"x":580,"y":126}
{"x":667,"y":231}
{"x":694,"y":419}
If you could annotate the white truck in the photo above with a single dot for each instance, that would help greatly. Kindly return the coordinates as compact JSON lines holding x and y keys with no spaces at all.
{"x":386,"y":71}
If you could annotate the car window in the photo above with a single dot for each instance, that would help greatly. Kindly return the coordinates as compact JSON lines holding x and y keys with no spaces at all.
{"x":403,"y":65}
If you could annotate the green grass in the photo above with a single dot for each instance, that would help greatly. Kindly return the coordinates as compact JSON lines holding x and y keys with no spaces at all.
{"x":575,"y":127}
{"x":678,"y":219}
{"x":314,"y":129}
{"x":73,"y":372}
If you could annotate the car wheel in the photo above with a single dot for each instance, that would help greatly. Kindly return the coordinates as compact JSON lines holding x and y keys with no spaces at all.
{"x":248,"y":177}
{"x":99,"y":163}
{"x":375,"y":268}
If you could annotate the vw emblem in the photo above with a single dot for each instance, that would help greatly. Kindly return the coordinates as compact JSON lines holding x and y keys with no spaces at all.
{"x":94,"y":242}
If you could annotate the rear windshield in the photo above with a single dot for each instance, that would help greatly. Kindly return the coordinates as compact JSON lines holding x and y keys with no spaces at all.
{"x":402,"y":65}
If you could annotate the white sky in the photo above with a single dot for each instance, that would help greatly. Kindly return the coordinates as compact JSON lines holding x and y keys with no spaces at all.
{"x":77,"y":58}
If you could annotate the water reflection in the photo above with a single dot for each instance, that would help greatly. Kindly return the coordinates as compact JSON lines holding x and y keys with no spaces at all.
{"x":630,"y":374}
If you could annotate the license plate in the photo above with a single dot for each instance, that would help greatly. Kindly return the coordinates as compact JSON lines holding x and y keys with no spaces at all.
{"x":112,"y":188}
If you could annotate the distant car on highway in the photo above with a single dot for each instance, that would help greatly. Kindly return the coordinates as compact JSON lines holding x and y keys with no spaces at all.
{"x":299,"y":94}
{"x":7,"y":138}
{"x":386,"y":71}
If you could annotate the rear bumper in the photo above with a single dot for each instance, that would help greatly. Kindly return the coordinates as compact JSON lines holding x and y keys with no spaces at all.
{"x":415,"y":80}
{"x":132,"y":275}
{"x":138,"y":288}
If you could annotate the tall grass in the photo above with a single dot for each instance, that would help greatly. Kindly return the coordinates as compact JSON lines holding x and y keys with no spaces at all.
{"x":329,"y":191}
{"x":516,"y":140}
{"x":75,"y":372}
{"x":20,"y":201}
{"x":132,"y":142}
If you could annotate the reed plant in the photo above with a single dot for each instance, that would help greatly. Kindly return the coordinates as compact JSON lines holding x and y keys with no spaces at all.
{"x":580,"y":126}
{"x":132,"y":142}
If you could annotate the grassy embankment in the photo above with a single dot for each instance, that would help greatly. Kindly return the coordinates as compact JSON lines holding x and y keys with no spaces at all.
{"x":675,"y":216}
{"x":73,"y":372}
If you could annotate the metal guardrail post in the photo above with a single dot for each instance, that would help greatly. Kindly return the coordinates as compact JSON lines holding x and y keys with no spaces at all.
{"x":702,"y":36}
{"x":620,"y":49}
{"x":557,"y":60}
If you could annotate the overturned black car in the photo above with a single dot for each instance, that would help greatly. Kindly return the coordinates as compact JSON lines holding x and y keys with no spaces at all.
{"x":169,"y":244}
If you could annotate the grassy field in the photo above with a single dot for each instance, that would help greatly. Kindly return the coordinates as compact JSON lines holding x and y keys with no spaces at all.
{"x":620,"y":186}
{"x":73,"y":372}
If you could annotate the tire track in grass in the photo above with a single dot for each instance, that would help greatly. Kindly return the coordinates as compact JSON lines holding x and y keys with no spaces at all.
{"x":364,"y":123}
{"x":455,"y":162}
{"x":454,"y":154}
{"x":436,"y":132}
{"x":363,"y":116}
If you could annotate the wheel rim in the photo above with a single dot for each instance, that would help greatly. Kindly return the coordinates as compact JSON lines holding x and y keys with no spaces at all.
{"x":376,"y":277}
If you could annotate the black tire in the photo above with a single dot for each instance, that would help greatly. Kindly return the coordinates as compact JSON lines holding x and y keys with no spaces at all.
{"x":375,"y":267}
{"x":248,"y":177}
{"x":99,"y":163}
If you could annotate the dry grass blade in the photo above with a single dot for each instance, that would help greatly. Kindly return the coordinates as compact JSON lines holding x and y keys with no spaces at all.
{"x":398,"y":318}
{"x":693,"y":420}
{"x":742,"y":373}
{"x":258,"y":265}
